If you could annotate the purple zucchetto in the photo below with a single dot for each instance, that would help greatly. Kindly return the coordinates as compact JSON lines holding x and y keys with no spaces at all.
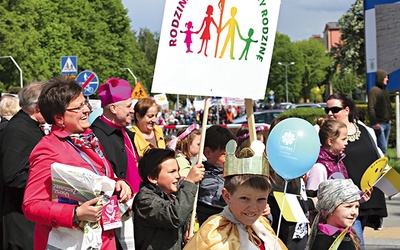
{"x":114,"y":90}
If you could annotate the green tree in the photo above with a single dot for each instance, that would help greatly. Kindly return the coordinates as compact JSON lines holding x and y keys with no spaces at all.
{"x":20,"y":39}
{"x":148,"y":44}
{"x":38,"y":32}
{"x":315,"y":63}
{"x":349,"y":56}
{"x":285,"y":52}
{"x":344,"y":84}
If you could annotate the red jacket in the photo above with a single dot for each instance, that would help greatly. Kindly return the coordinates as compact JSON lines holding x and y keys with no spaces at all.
{"x":37,"y":205}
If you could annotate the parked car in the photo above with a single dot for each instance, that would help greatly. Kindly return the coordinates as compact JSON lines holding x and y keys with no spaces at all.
{"x":304,"y":105}
{"x":264,"y":116}
{"x":282,"y":105}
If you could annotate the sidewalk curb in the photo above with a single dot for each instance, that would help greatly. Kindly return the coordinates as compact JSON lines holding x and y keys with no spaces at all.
{"x":382,"y":242}
{"x":388,"y":236}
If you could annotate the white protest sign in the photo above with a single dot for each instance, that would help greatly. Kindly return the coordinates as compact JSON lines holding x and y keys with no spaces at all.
{"x":161,"y":99}
{"x":216,"y":48}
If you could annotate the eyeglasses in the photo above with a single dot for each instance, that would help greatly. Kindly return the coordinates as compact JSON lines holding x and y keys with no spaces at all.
{"x":77,"y":109}
{"x":334,"y":110}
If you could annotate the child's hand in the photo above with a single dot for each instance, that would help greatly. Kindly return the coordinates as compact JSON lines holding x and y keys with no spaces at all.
{"x":196,"y":174}
{"x":187,"y":236}
{"x":366,"y":195}
{"x":267,"y":210}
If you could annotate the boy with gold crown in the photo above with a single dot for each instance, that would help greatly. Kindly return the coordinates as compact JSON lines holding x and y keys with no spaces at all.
{"x":246,"y":189}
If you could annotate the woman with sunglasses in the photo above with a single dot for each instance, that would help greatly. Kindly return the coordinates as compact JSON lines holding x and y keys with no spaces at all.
{"x":361,"y":151}
{"x":70,"y":142}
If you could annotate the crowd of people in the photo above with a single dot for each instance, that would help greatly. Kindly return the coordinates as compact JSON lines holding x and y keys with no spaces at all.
{"x":157,"y":183}
{"x":218,"y":114}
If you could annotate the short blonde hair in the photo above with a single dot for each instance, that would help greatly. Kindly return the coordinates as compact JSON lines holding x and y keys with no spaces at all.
{"x":9,"y":106}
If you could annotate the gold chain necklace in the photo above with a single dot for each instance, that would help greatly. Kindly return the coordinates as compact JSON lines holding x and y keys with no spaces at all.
{"x":355,"y":136}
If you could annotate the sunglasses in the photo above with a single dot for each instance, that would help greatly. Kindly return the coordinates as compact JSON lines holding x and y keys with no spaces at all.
{"x":334,"y":110}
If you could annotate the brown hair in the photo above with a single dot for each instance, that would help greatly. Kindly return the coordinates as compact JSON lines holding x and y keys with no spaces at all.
{"x":243,"y":138}
{"x":150,"y":163}
{"x":183,"y":146}
{"x":346,"y":102}
{"x":56,"y":96}
{"x":355,"y":240}
{"x":142,"y":106}
{"x":217,"y":137}
{"x":330,"y":129}
{"x":319,"y":121}
{"x":260,"y":182}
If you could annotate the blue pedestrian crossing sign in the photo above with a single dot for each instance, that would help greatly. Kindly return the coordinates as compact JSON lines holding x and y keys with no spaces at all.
{"x":89,"y":82}
{"x":69,"y":65}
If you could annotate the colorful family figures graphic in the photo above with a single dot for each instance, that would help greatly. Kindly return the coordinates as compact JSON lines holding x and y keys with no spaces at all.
{"x":232,"y":24}
{"x":248,"y":42}
{"x":188,"y":38}
{"x":206,"y":36}
{"x":221,"y":6}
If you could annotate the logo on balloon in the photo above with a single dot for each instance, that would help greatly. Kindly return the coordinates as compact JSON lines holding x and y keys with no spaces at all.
{"x":292,"y":147}
{"x":288,"y":141}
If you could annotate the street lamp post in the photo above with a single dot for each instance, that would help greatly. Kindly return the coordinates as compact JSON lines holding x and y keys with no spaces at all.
{"x":16,"y":65}
{"x":286,"y":66}
{"x":130,"y":71}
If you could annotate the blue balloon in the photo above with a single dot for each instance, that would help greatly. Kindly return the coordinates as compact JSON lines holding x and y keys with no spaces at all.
{"x":95,"y":113}
{"x":292,"y":147}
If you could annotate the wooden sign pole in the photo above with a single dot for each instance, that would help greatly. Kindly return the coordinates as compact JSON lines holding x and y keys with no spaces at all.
{"x":200,"y":157}
{"x":250,"y":119}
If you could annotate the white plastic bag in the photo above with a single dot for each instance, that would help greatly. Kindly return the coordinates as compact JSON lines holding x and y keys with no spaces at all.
{"x":92,"y":236}
{"x":65,"y":238}
{"x":78,"y":183}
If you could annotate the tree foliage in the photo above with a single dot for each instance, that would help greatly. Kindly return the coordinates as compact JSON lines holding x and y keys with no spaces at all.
{"x":38,"y":32}
{"x":345,"y":84}
{"x":315,"y":63}
{"x":285,"y":52}
{"x":308,"y":72}
{"x":148,"y":45}
{"x":350,"y":55}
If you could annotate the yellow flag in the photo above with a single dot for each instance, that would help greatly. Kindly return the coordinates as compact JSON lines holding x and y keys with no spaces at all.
{"x":335,"y":245}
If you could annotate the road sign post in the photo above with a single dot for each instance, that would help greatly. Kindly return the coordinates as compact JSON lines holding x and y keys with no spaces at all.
{"x":139,"y":92}
{"x":89,"y":82}
{"x":69,"y":65}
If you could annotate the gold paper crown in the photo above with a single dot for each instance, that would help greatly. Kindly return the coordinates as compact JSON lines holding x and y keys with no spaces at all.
{"x":253,"y":160}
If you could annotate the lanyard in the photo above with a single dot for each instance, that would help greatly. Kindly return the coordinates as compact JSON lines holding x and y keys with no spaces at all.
{"x":87,"y":159}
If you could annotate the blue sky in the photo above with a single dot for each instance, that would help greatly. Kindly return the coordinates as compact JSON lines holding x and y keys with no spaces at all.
{"x":299,"y":19}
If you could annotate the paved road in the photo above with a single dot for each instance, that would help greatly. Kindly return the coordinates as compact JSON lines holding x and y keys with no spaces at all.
{"x":389,"y":237}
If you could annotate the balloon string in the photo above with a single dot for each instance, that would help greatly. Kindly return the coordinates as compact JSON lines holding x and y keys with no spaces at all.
{"x":280,"y":215}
